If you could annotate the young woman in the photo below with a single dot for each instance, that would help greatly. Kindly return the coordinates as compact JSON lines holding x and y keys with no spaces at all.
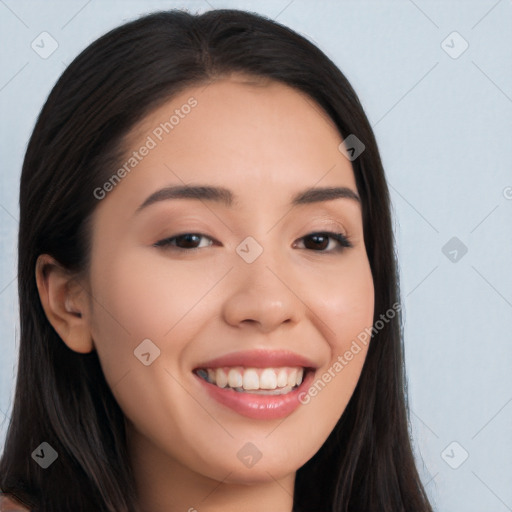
{"x":209,"y":303}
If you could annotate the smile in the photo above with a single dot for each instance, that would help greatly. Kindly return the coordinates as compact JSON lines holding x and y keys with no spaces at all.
{"x":257,"y":403}
{"x":265,"y":381}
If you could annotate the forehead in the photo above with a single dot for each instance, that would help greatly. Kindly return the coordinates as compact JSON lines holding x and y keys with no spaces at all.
{"x":261,"y":139}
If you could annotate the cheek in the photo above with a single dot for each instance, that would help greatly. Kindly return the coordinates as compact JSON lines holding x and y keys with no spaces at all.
{"x":138,"y":299}
{"x":351,"y":315}
{"x":344,"y":301}
{"x":345,"y":306}
{"x":135,"y":301}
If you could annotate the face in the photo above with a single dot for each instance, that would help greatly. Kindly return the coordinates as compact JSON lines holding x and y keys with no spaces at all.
{"x":251,"y":293}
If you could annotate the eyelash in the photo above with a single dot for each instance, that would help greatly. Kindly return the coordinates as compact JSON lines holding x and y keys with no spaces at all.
{"x":343,"y":241}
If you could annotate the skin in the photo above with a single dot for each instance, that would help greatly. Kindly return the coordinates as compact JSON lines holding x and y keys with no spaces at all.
{"x":265,"y":142}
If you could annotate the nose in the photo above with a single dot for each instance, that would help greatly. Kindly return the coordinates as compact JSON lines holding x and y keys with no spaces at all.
{"x":262,"y":294}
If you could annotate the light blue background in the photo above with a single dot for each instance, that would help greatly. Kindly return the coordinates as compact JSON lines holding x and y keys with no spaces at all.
{"x":444,"y":128}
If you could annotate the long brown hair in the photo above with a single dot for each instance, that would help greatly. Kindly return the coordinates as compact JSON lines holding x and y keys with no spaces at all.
{"x":61,"y":397}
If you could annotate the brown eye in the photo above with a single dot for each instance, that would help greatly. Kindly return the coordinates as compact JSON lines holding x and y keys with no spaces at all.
{"x":185,"y":241}
{"x":318,"y":242}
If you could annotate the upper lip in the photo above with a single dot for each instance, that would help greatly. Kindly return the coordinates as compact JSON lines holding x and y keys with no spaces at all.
{"x":259,"y":359}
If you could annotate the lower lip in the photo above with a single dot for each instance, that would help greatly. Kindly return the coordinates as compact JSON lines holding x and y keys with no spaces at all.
{"x":258,"y":406}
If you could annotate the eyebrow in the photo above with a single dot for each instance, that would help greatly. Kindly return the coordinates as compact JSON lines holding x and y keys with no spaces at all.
{"x":225,"y":197}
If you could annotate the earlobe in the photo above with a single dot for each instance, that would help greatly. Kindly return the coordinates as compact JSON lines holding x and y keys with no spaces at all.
{"x":63,"y":301}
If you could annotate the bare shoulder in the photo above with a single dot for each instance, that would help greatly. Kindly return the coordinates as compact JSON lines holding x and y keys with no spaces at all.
{"x":9,"y":504}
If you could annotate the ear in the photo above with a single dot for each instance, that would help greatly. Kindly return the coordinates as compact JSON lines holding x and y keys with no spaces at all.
{"x":64,"y":300}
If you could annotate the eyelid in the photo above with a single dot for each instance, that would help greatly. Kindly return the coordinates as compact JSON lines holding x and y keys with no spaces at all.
{"x":328,"y":223}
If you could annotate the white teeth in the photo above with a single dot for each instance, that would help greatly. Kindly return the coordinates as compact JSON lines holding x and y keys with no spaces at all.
{"x":221,"y":378}
{"x":292,"y":377}
{"x":251,"y":379}
{"x":282,"y":378}
{"x":268,"y":379}
{"x":280,"y":391}
{"x":258,"y":380}
{"x":235,"y":378}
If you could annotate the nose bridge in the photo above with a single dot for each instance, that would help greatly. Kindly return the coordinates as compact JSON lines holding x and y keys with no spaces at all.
{"x":260,"y":291}
{"x":262,"y":259}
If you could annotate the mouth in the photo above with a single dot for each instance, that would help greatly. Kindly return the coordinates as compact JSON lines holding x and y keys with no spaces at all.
{"x":270,"y":381}
{"x":258,"y":384}
{"x":244,"y":390}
